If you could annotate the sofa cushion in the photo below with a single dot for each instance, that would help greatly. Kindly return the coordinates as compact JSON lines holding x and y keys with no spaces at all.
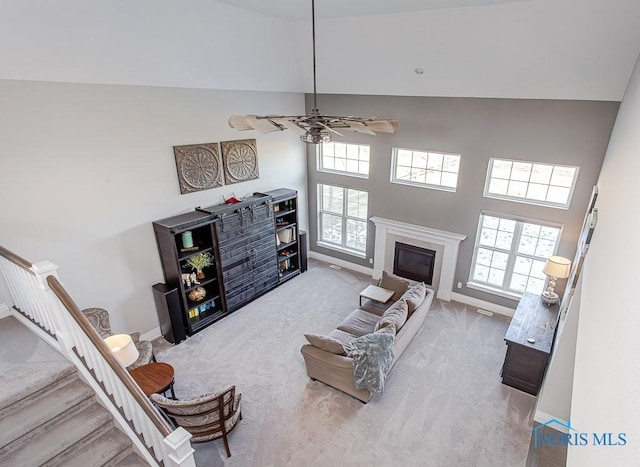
{"x":343,"y":337}
{"x":414,"y":296}
{"x":396,"y":314}
{"x":399,"y":286}
{"x":386,"y":326}
{"x":326,"y":343}
{"x":359,"y":323}
{"x":374,"y":307}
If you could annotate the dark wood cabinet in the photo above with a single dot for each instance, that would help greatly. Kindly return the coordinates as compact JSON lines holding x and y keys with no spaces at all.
{"x":255,"y":247}
{"x":285,"y":208}
{"x":171,"y":236}
{"x":529,"y":340}
{"x":246,"y":247}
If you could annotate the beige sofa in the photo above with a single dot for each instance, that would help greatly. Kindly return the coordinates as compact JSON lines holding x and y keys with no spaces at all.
{"x":329,"y":362}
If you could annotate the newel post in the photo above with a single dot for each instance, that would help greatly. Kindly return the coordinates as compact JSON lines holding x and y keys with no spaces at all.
{"x":42,"y":270}
{"x":52,"y":307}
{"x":178,"y":450}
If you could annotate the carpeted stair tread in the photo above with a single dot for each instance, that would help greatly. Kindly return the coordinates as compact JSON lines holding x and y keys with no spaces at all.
{"x":27,"y":363}
{"x":37,"y":409}
{"x":18,"y":391}
{"x":49,"y":416}
{"x":105,"y":446}
{"x":131,"y":460}
{"x":52,"y":438}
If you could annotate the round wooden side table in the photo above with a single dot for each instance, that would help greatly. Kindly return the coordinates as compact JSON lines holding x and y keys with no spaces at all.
{"x":154,"y":378}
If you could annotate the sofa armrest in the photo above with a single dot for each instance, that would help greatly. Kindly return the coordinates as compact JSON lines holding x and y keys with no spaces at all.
{"x":328,"y":358}
{"x":334,"y":370}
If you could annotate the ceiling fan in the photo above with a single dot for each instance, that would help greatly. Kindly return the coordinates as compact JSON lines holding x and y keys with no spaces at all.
{"x":315,"y":127}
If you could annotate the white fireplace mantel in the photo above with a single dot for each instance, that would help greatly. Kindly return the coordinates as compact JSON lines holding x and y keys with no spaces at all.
{"x":449,"y":240}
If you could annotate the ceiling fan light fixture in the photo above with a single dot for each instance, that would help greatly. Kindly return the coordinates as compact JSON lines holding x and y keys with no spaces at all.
{"x":316,"y":136}
{"x":314,"y":128}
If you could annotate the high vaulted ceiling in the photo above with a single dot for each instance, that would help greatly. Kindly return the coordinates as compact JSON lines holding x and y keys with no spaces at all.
{"x":555,"y":49}
{"x":301,"y":9}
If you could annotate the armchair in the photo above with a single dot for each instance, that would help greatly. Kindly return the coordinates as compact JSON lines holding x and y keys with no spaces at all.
{"x":208,"y":417}
{"x":99,"y":319}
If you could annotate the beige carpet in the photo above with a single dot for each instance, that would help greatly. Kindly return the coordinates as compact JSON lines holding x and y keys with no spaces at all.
{"x":443,"y":405}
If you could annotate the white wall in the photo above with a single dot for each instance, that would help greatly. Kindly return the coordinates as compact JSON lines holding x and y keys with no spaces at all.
{"x":607,"y":368}
{"x":554,"y":398}
{"x":85,"y":169}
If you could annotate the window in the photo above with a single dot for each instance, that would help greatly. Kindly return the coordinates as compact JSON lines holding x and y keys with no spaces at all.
{"x":344,"y":158}
{"x":530,"y":182}
{"x":343,"y":218}
{"x":426,"y":169}
{"x":510,"y":253}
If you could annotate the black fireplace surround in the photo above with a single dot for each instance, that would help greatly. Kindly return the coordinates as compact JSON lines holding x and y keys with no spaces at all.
{"x":413,"y":262}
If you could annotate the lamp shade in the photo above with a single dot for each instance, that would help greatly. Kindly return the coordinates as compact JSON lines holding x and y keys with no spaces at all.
{"x":123,"y":348}
{"x":557,"y":266}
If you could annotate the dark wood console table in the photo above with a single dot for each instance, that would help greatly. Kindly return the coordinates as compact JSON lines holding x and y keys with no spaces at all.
{"x":529,"y":340}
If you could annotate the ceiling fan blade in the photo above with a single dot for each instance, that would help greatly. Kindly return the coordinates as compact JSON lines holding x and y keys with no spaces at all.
{"x":293,"y":126}
{"x":383,"y":126}
{"x":263,"y":125}
{"x":239,"y":122}
{"x":358,"y":127}
{"x":330,"y":129}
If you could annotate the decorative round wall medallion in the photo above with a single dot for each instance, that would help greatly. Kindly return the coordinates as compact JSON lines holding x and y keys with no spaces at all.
{"x":240,"y":160}
{"x":198,"y":167}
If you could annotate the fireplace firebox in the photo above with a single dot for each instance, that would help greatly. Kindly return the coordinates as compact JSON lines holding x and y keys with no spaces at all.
{"x":413,"y":262}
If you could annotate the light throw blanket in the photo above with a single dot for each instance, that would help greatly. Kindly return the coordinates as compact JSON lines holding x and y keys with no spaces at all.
{"x":372,"y":357}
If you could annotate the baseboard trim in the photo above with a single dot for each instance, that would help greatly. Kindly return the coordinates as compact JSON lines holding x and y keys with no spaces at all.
{"x":341,"y":263}
{"x":444,"y":295}
{"x":151,"y":335}
{"x":4,"y":310}
{"x":499,"y":309}
{"x":544,"y":418}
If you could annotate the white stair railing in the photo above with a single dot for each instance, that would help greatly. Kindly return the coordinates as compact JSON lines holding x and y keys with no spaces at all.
{"x":39,"y":298}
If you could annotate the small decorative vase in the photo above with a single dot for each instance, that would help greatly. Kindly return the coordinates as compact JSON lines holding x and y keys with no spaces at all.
{"x":199,"y":274}
{"x":187,"y":239}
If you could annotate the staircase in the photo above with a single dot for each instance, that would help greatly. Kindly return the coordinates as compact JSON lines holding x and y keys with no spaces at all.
{"x":48,"y":416}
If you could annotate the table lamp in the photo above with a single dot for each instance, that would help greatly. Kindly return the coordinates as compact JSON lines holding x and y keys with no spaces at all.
{"x":556,"y":268}
{"x":123,"y":348}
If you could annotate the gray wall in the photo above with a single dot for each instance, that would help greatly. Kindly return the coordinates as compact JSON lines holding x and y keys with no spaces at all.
{"x":564,"y":132}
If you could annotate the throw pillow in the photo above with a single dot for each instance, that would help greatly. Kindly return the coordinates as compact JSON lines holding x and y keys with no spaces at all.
{"x":399,"y":286}
{"x":415,"y":296}
{"x":396,"y":314}
{"x":326,"y":343}
{"x":387,"y":326}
